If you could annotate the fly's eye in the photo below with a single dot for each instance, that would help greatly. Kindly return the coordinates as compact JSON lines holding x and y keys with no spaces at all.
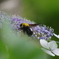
{"x":21,"y":25}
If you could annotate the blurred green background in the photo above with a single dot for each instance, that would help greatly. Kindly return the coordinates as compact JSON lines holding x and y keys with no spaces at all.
{"x":39,"y":11}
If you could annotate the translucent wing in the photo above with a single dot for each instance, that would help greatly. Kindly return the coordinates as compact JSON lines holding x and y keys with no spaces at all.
{"x":33,"y":25}
{"x":44,"y":43}
{"x":48,"y":52}
{"x":56,"y":52}
{"x":52,"y":45}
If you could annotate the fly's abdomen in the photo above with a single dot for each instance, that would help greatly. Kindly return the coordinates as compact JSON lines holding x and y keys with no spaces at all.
{"x":27,"y":30}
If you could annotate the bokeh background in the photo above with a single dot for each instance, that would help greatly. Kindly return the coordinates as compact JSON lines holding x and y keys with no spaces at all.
{"x":39,"y":11}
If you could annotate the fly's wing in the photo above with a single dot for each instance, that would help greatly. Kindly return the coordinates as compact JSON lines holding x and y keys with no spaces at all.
{"x":48,"y":52}
{"x":44,"y":43}
{"x":56,"y":51}
{"x":52,"y":45}
{"x":34,"y":25}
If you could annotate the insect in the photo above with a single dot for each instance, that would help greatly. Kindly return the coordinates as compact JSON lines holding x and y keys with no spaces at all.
{"x":26,"y":28}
